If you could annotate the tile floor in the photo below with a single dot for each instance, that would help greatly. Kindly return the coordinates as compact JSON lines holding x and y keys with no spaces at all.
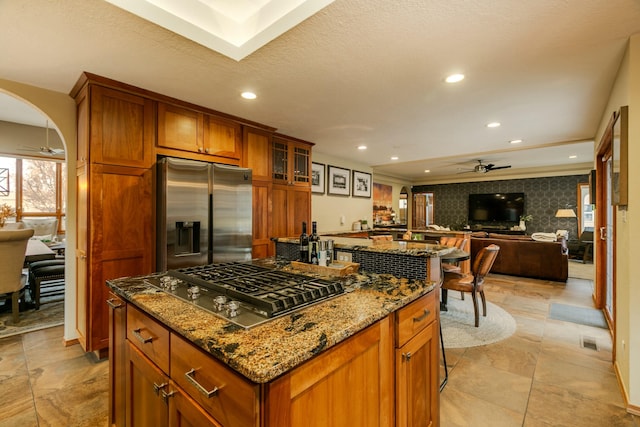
{"x":539,"y":377}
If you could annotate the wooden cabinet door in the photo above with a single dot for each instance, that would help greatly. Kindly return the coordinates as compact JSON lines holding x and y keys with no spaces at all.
{"x":222,"y":138}
{"x":350,"y":384}
{"x":262,"y":214}
{"x":121,"y":236}
{"x":256,"y":153}
{"x":180,"y":128}
{"x":82,"y":254}
{"x":291,"y":162}
{"x":185,"y":412}
{"x":122,"y":128}
{"x":280,"y":211}
{"x":146,"y":404}
{"x":417,"y":393}
{"x":299,"y":206}
{"x":117,"y":360}
{"x":291,"y":206}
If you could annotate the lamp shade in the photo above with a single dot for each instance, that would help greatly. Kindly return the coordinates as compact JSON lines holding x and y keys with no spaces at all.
{"x":565,"y":213}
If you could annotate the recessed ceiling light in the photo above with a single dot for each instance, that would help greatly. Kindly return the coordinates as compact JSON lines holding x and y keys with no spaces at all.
{"x":394,"y":157}
{"x":454,"y":78}
{"x":493,"y":124}
{"x":248,"y":95}
{"x":427,"y":171}
{"x":362,"y":147}
{"x":515,"y":141}
{"x":573,"y":156}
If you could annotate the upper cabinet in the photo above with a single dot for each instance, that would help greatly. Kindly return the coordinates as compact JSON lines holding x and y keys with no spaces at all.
{"x":291,"y":161}
{"x":122,"y":129}
{"x":193,"y":131}
{"x":257,"y":153}
{"x":222,"y":138}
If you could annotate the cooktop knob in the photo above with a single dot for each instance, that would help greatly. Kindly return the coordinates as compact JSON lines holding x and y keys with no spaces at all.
{"x":193,"y":291}
{"x":232,"y":308}
{"x":219,"y":302}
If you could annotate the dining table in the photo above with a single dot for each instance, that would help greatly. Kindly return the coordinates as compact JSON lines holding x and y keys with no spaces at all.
{"x":37,"y":250}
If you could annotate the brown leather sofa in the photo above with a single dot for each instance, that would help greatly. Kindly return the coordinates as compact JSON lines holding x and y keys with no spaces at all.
{"x":523,"y":256}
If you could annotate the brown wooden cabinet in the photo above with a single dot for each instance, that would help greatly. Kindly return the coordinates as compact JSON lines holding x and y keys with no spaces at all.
{"x":417,"y":363}
{"x":117,"y":360}
{"x":290,"y":207}
{"x":350,"y":384}
{"x":291,"y":161}
{"x":147,"y":391}
{"x":187,"y":130}
{"x":115,"y":238}
{"x":263,"y":246}
{"x":365,"y":380}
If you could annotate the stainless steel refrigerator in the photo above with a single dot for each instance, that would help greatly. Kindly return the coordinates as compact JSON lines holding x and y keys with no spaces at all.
{"x":204,"y":213}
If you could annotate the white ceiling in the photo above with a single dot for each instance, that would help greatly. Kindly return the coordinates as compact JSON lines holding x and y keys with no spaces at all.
{"x":366,"y":72}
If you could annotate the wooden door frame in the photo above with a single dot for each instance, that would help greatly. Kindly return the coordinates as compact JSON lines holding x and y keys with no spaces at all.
{"x":603,"y":152}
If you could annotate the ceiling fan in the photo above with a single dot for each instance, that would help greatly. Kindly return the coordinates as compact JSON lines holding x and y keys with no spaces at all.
{"x":482,"y":168}
{"x":46,"y":149}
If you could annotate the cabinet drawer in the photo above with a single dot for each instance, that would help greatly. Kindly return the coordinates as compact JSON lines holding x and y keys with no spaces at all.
{"x":149,"y":336}
{"x":415,"y":317}
{"x":232,"y":400}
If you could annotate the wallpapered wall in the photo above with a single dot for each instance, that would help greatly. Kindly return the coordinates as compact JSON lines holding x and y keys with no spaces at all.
{"x":543,"y":197}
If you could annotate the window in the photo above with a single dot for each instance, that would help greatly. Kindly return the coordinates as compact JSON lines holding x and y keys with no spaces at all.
{"x":36,"y":188}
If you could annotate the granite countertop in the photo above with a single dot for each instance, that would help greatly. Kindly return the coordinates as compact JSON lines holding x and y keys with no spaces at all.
{"x":275,"y":347}
{"x":409,"y":248}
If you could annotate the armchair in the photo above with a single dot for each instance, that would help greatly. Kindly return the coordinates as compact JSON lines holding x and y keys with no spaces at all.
{"x":44,"y":228}
{"x":582,"y":248}
{"x":13,"y":245}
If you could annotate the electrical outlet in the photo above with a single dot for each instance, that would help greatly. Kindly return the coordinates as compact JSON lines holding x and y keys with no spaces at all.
{"x":344,"y":256}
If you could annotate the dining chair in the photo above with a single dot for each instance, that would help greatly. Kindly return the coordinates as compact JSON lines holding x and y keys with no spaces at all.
{"x":44,"y":228}
{"x":452,"y":242}
{"x":474,"y":282}
{"x":13,"y":245}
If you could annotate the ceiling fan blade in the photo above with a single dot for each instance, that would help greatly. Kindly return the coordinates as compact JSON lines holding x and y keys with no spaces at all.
{"x":498,"y":167}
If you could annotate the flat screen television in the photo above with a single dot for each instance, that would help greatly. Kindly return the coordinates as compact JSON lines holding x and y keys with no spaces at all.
{"x":496,"y":207}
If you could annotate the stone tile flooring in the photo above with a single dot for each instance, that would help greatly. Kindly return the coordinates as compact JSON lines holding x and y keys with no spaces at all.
{"x":539,"y":377}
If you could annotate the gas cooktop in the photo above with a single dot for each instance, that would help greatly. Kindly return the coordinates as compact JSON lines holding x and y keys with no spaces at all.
{"x":244,"y":293}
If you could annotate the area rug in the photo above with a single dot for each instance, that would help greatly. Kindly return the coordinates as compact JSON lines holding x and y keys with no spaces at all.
{"x":580,"y":315}
{"x":458,"y":330}
{"x":49,"y":315}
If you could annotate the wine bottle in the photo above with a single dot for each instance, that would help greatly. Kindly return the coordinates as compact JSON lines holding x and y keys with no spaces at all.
{"x":304,"y":244}
{"x":313,"y":243}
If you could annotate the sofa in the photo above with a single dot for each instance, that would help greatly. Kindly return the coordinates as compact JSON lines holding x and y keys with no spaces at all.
{"x":523,"y":256}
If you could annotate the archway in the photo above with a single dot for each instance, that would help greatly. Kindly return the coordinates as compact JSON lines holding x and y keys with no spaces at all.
{"x":59,"y":110}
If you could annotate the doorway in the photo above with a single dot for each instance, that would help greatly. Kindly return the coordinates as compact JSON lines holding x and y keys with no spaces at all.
{"x":605,"y":230}
{"x":36,"y":147}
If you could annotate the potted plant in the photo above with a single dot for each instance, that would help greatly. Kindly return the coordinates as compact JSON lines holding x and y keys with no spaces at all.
{"x":6,"y":211}
{"x":523,"y":220}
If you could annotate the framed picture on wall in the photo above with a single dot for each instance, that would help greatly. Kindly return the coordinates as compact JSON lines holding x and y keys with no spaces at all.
{"x":361,"y":184}
{"x":619,"y":170}
{"x":317,"y":178}
{"x":338,"y":181}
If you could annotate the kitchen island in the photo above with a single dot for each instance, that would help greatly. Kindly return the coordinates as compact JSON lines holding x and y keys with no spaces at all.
{"x":350,"y":360}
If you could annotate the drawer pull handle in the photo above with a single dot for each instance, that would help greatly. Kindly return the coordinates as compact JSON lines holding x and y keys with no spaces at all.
{"x":113,"y":303}
{"x":139,"y":337}
{"x":166,"y":396}
{"x":158,"y":387}
{"x":208,"y":393}
{"x":407,"y":356}
{"x":421,"y":318}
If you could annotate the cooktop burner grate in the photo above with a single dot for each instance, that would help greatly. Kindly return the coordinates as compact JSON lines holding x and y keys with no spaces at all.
{"x":265,"y":291}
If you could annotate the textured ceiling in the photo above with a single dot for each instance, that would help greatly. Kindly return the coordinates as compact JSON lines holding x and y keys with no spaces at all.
{"x":365,"y":72}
